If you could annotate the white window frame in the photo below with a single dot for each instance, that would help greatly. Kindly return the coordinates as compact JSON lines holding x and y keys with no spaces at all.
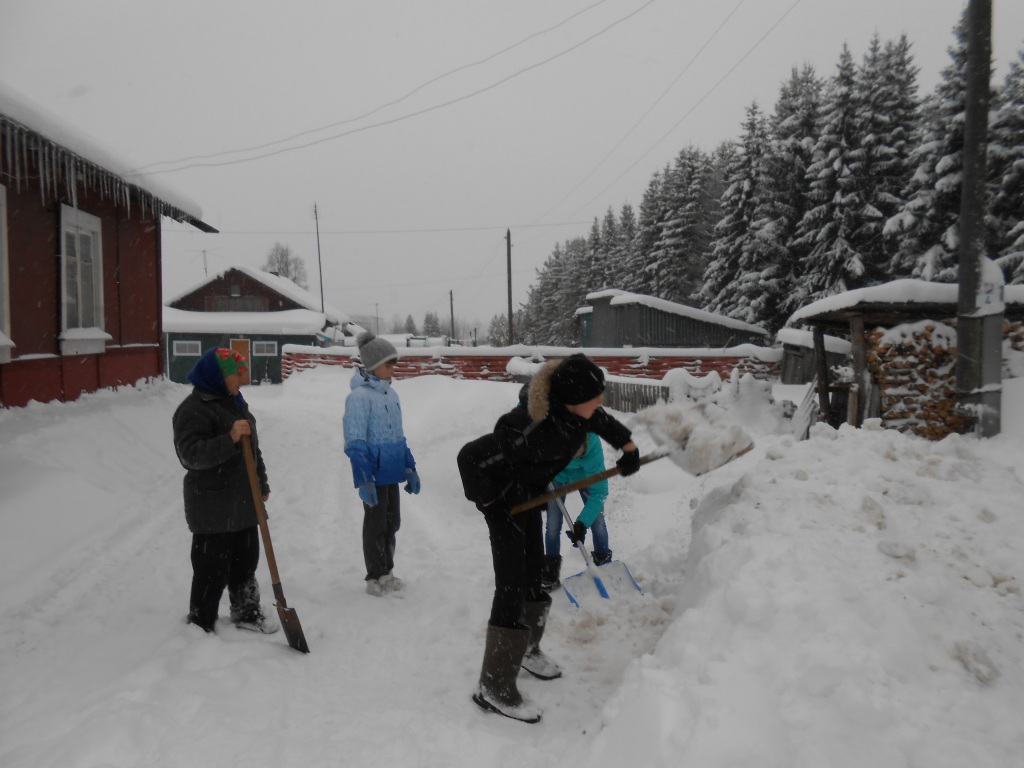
{"x":259,"y":346}
{"x":5,"y":292}
{"x":82,"y":321}
{"x":187,"y":349}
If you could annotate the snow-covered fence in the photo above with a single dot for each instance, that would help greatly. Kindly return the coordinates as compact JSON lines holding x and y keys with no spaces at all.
{"x":515,"y":363}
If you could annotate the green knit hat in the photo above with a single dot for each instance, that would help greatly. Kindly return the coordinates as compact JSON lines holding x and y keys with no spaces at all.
{"x":230,"y":362}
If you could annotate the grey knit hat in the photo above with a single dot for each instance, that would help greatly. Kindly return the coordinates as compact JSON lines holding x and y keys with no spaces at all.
{"x":374,"y":352}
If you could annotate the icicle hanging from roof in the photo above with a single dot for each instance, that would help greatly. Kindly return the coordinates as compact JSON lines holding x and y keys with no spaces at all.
{"x":58,"y":166}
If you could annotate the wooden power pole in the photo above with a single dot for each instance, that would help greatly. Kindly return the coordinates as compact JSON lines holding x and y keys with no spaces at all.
{"x":979,"y":304}
{"x":508,"y":252}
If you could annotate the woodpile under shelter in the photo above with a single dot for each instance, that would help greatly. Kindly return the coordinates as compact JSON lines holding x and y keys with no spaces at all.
{"x":903,"y":343}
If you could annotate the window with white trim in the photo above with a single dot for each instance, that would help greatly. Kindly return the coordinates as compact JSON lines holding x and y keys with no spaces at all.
{"x":82,"y":259}
{"x":264,"y":349}
{"x":188,"y":349}
{"x":5,"y":302}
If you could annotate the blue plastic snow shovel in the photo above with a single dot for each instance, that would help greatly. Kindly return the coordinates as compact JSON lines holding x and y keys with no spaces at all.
{"x":608,"y":579}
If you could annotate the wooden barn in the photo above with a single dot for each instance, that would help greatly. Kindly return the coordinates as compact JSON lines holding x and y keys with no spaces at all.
{"x":614,"y":318}
{"x":80,"y":272}
{"x":256,"y":313}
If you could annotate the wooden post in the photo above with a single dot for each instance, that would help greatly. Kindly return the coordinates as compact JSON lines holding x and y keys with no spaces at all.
{"x":508,"y":252}
{"x":821,"y":365}
{"x":858,"y":389}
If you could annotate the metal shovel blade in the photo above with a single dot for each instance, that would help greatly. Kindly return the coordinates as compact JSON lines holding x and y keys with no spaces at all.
{"x":292,"y":628}
{"x":606,"y":581}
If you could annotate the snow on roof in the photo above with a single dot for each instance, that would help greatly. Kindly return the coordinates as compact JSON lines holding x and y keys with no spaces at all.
{"x":21,"y":112}
{"x":281,"y":285}
{"x":289,"y":322}
{"x":624,"y":297}
{"x":798,"y":338}
{"x":896,"y":292}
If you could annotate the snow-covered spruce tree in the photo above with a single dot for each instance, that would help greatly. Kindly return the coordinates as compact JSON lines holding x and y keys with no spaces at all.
{"x":832,"y":263}
{"x":431,"y":325}
{"x":1006,"y":168}
{"x":679,"y":256}
{"x":887,"y":109}
{"x":649,"y":224}
{"x":622,"y":259}
{"x":928,"y":226}
{"x":611,"y":252}
{"x":770,"y":290}
{"x":732,"y":232}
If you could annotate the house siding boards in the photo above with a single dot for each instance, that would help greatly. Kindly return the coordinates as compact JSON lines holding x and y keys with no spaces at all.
{"x":48,"y":172}
{"x":216,"y":296}
{"x":262,"y":367}
{"x":131,"y":305}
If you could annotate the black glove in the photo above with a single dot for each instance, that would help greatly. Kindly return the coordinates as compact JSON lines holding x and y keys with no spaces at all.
{"x":578,"y":534}
{"x":629,"y":462}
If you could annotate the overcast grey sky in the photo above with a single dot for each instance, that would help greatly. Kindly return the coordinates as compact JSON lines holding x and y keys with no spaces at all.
{"x":422,"y":129}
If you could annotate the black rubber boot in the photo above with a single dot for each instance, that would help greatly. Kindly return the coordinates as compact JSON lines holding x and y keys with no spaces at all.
{"x":535,"y":661}
{"x":497,"y":691}
{"x":549,"y":574}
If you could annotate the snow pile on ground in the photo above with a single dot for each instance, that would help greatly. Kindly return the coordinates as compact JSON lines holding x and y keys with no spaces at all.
{"x":850,"y":600}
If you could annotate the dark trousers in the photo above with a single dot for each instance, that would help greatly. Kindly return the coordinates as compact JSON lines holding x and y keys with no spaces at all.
{"x":380,"y":525}
{"x":517,"y":549}
{"x":224,"y":560}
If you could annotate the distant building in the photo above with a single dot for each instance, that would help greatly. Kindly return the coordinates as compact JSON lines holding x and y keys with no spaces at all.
{"x":252,"y":312}
{"x":80,"y":306}
{"x":614,"y":318}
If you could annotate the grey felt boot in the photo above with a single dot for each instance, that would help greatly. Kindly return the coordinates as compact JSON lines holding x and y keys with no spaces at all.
{"x":535,"y":616}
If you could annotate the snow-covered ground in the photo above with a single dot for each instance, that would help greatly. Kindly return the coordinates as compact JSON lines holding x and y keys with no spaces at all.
{"x":850,"y":600}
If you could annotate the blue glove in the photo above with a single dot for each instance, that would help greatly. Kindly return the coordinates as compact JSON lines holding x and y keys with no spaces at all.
{"x":412,"y":482}
{"x":368,"y":493}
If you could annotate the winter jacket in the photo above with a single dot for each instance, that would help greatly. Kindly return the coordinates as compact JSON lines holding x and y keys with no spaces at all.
{"x":374,"y":441}
{"x":218,"y":497}
{"x":591,"y":462}
{"x":529,"y":446}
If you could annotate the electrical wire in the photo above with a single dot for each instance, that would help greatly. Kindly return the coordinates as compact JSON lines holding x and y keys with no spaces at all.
{"x":407,"y":116}
{"x":377,"y":109}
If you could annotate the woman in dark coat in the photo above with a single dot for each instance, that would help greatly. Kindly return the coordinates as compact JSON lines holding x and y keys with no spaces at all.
{"x":515,"y":463}
{"x":219,"y":506}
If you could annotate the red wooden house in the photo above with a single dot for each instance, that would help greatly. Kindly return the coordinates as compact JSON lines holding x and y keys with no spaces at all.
{"x":80,"y":278}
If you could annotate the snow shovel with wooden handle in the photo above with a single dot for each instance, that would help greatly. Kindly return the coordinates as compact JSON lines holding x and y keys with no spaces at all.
{"x":612,"y":577}
{"x":697,"y":438}
{"x":289,"y":619}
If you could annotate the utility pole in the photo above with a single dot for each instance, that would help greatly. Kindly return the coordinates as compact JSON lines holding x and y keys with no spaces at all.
{"x":508,"y":251}
{"x":376,"y":319}
{"x":451,"y":309}
{"x":980,"y":297}
{"x":320,"y":264}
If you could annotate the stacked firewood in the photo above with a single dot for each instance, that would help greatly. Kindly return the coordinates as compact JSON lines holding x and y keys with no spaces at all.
{"x":914,"y":366}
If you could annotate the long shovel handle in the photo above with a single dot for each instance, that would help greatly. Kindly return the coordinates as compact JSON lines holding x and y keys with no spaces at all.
{"x":261,"y":516}
{"x":591,"y":568}
{"x":577,"y":485}
{"x":289,"y":618}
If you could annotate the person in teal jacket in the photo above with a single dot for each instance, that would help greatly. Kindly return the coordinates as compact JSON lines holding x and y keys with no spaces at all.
{"x":590,"y":462}
{"x":375,"y":445}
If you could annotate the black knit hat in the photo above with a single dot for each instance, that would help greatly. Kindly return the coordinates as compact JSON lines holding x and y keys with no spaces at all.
{"x":576,"y":380}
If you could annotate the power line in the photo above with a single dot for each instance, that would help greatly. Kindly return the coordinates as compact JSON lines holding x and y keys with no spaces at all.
{"x":377,"y":109}
{"x":407,"y":116}
{"x":694,"y":107}
{"x":657,"y":101}
{"x":414,"y":231}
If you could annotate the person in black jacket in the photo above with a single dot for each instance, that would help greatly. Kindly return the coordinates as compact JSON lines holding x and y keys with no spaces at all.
{"x":219,"y":505}
{"x":515,"y":463}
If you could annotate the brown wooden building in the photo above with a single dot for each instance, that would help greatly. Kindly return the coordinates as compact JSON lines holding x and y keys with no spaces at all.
{"x":80,"y":271}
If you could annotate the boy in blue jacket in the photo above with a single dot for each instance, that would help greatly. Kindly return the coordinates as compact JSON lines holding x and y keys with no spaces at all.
{"x":589,"y":462}
{"x":375,"y":445}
